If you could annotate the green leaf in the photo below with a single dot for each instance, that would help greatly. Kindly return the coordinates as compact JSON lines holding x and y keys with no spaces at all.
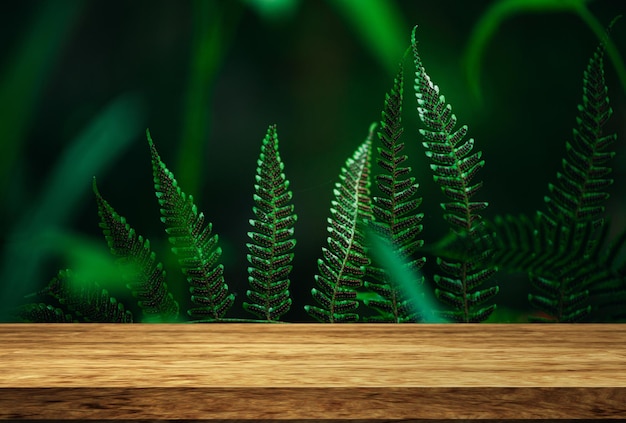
{"x":403,"y":298}
{"x":196,"y":248}
{"x":454,"y":168}
{"x":576,"y":203}
{"x":272,"y":238}
{"x":144,"y":275}
{"x":106,"y":137}
{"x":579,"y":193}
{"x":396,"y":217}
{"x":344,"y":261}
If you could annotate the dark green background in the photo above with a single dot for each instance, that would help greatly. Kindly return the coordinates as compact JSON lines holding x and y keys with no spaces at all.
{"x":213,"y":75}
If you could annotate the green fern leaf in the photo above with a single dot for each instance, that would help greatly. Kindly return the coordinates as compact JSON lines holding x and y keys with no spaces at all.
{"x":197,"y":250}
{"x":536,"y":246}
{"x":563,"y":261}
{"x":87,"y":300}
{"x":344,"y":262}
{"x":145,"y":276}
{"x":395,"y":214}
{"x":454,"y":168}
{"x":578,"y":197}
{"x":272,"y":238}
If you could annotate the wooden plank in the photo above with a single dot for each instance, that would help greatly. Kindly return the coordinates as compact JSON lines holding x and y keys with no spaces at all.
{"x":312,"y":371}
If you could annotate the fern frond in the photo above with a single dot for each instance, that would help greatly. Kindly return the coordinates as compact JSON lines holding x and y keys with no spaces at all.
{"x":145,"y":276}
{"x":86,"y":299}
{"x":395,"y":215}
{"x":344,"y":261}
{"x":580,"y":190}
{"x":197,"y":250}
{"x":272,"y":238}
{"x":43,"y":313}
{"x":454,"y":168}
{"x":522,"y":244}
{"x":563,"y":261}
{"x":579,"y":194}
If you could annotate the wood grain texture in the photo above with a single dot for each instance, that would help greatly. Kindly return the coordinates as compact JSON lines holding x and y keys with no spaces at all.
{"x":312,"y":371}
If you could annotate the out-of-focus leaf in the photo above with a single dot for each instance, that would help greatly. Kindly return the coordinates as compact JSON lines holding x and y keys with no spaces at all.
{"x":89,"y":258}
{"x":402,"y":276}
{"x":25,"y":73}
{"x":274,"y":10}
{"x":381,"y":27}
{"x":501,"y":10}
{"x":213,"y":27}
{"x":69,"y":183}
{"x":93,"y":151}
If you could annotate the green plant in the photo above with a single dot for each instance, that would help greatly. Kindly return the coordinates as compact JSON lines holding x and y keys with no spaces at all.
{"x":573,"y":225}
{"x":374,"y":254}
{"x":395,"y":219}
{"x":272,"y":238}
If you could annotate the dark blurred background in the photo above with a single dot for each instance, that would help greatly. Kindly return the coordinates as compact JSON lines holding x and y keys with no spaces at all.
{"x":80,"y":81}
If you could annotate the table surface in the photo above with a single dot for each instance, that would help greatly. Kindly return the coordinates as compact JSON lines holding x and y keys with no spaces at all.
{"x":321,"y":371}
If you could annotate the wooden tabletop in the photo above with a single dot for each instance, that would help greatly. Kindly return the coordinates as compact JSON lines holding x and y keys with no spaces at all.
{"x":312,"y":371}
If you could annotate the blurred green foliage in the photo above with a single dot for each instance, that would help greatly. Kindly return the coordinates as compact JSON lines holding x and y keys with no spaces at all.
{"x":380,"y":26}
{"x":408,"y":281}
{"x":25,"y":73}
{"x":35,"y":234}
{"x":208,"y":77}
{"x":213,"y":28}
{"x":485,"y":31}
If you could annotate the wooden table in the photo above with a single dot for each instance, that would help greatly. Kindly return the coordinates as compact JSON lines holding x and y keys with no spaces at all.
{"x":222,"y":372}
